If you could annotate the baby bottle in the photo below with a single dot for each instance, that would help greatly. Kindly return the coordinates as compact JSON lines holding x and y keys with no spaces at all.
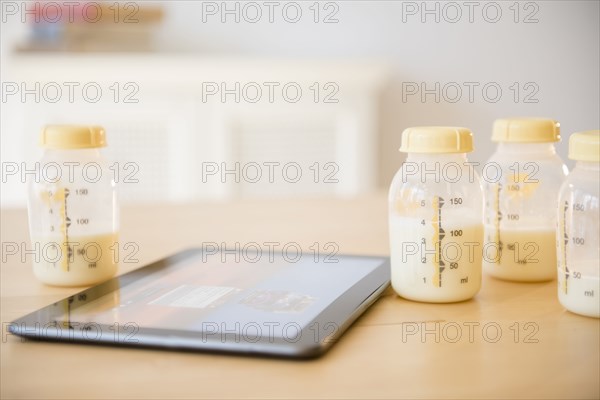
{"x":578,"y":243}
{"x":521,"y":183}
{"x":435,"y":217}
{"x":73,"y":219}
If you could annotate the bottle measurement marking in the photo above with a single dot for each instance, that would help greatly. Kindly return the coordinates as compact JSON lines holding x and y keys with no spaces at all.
{"x":58,"y":201}
{"x":64,"y":229}
{"x":60,"y":196}
{"x":438,"y":236}
{"x":565,"y":238}
{"x":497,"y":219}
{"x":493,"y":234}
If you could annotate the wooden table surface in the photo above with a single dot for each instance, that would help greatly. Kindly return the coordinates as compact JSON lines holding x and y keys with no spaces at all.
{"x":511,"y":341}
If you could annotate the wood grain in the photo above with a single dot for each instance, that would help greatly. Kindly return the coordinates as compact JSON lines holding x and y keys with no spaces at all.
{"x":511,"y":341}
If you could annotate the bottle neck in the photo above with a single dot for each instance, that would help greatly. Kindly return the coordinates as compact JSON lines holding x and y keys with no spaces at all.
{"x":437,"y":157}
{"x":588,"y":166}
{"x":527,"y":148}
{"x":88,"y":152}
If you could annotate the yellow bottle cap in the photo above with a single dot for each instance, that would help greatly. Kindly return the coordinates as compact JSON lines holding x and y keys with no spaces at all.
{"x":72,"y":137}
{"x":585,"y":146}
{"x":437,"y":139}
{"x":526,"y":130}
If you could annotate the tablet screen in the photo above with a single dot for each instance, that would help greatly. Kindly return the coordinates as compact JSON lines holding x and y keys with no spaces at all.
{"x":226,"y":298}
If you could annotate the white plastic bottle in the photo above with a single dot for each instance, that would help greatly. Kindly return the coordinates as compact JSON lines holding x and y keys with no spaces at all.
{"x":521,"y":183}
{"x":578,"y":241}
{"x":73,"y":213}
{"x":435,"y":217}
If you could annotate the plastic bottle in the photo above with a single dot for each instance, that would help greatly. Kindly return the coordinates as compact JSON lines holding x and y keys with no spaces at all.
{"x":435,"y":217}
{"x":73,"y":213}
{"x":578,"y":243}
{"x":521,"y":183}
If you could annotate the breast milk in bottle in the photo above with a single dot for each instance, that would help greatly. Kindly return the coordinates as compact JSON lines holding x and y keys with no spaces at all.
{"x":73,"y":215}
{"x":521,"y":183}
{"x":435,"y":217}
{"x":578,"y":242}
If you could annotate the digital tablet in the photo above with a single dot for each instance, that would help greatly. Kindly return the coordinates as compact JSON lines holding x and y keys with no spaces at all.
{"x":220,"y":301}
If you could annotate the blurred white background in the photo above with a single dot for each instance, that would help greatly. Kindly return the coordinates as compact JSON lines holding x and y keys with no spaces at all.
{"x":379,"y":55}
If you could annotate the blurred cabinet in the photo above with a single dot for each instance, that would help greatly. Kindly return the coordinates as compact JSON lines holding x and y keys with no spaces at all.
{"x":183,"y":128}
